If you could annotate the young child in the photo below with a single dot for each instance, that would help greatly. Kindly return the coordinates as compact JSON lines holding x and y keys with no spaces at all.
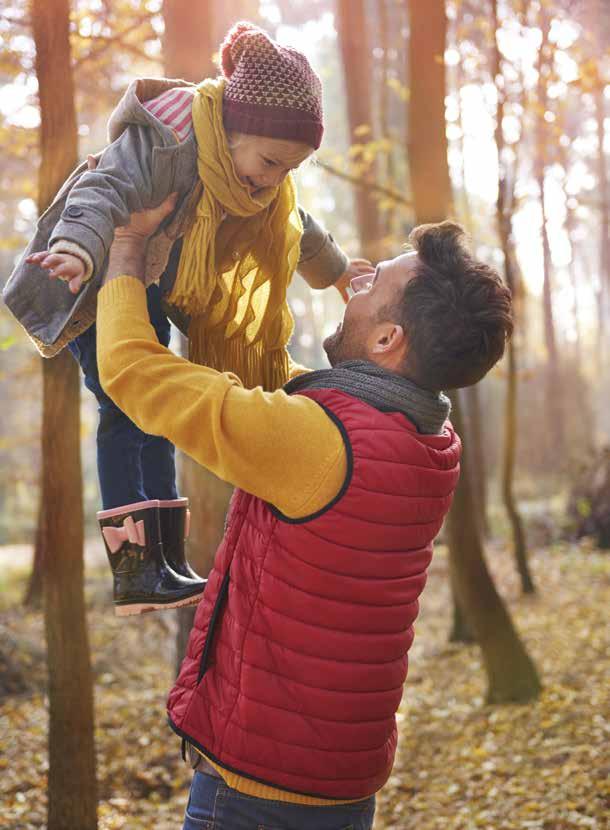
{"x":219,"y":269}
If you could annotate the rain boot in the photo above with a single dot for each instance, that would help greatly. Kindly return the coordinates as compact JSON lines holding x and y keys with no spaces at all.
{"x":175,"y":519}
{"x":143,"y":581}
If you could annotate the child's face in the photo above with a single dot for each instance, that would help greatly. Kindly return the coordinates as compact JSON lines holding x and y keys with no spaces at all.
{"x":264,"y":162}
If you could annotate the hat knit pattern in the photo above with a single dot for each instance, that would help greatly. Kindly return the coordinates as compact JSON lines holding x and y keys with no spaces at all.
{"x":271,"y":89}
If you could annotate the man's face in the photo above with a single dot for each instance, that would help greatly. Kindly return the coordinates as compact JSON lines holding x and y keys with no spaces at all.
{"x":264,"y":162}
{"x":356,"y":335}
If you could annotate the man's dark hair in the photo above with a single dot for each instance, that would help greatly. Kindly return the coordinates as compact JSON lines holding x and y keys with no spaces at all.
{"x":456,"y":311}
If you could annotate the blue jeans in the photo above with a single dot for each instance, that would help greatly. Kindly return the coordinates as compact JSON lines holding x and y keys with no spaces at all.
{"x":132,"y":466}
{"x":212,"y":805}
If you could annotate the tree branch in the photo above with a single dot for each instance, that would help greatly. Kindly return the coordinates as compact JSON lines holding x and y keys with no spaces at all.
{"x":373,"y":187}
{"x":106,"y":42}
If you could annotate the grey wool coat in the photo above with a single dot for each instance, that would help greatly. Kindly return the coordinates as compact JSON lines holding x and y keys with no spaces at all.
{"x":142,"y":165}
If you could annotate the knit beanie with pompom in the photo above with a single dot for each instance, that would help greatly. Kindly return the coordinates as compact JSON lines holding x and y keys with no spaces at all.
{"x":271,"y":90}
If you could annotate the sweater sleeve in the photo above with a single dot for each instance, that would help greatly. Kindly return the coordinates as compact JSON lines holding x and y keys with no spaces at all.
{"x":322,"y":261}
{"x":282,"y":448}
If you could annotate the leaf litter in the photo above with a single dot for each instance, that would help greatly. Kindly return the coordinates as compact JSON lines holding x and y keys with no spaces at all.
{"x":461,"y":764}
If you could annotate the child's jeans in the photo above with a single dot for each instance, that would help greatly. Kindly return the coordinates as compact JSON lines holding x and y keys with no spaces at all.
{"x":132,"y":466}
{"x":213,"y":805}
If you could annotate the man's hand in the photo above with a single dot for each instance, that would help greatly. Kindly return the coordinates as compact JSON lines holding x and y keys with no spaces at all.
{"x":60,"y":266}
{"x":128,"y":250}
{"x":356,"y":268}
{"x":142,"y":225}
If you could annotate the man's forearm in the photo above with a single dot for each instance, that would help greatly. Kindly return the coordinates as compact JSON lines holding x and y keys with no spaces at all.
{"x":127,"y":256}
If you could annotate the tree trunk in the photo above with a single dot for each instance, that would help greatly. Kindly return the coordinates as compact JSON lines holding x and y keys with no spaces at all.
{"x":604,"y":217}
{"x":387,"y":219}
{"x":460,"y":630}
{"x":504,"y":208}
{"x":587,"y":418}
{"x":427,"y":144}
{"x":554,"y":396}
{"x":33,"y":597}
{"x":511,"y":674}
{"x":508,"y":473}
{"x":189,"y":40}
{"x":72,"y":784}
{"x":477,"y":442}
{"x":357,"y":66}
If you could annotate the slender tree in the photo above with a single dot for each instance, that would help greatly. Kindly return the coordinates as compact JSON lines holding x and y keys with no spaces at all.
{"x":352,"y":28}
{"x":189,"y":42}
{"x":33,"y":597}
{"x":475,"y":425}
{"x":189,"y":39}
{"x":387,"y":220}
{"x":604,"y":214}
{"x":460,"y":630}
{"x":72,"y":783}
{"x":554,"y":397}
{"x":504,"y":210}
{"x":427,"y":139}
{"x":510,"y":672}
{"x":476,"y":440}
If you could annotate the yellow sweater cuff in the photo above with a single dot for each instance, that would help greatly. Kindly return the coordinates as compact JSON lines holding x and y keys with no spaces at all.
{"x":121,"y":291}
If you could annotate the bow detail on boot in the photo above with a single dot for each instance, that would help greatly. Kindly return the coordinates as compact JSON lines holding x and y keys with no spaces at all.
{"x":147,"y":581}
{"x":129,"y":531}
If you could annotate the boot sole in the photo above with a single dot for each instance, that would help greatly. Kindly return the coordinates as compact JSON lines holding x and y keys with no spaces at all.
{"x":145,"y":607}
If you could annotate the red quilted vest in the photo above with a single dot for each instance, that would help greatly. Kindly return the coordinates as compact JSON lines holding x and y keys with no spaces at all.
{"x":298,"y":655}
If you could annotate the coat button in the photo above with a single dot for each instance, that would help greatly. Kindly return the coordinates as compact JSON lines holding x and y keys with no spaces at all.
{"x":74,"y":211}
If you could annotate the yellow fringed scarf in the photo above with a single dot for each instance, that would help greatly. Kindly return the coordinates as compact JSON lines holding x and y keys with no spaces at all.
{"x":234,"y":271}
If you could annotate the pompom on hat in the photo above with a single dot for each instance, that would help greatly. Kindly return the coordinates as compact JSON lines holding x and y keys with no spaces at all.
{"x":270,"y":90}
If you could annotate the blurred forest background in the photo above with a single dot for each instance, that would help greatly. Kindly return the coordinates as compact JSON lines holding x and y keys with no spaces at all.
{"x":494,"y":113}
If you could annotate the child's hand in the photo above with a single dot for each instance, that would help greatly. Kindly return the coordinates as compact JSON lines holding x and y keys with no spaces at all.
{"x":60,"y":266}
{"x":355,"y":268}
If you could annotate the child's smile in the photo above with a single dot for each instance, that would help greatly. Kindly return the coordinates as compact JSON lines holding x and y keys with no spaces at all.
{"x":264,"y":162}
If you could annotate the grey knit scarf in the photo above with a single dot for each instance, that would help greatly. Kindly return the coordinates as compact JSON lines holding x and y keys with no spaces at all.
{"x":386,"y":391}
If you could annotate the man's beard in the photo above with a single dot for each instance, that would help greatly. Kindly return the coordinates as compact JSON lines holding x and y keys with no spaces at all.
{"x":344,"y":344}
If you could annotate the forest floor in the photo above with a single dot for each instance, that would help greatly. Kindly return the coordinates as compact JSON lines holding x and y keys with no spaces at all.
{"x":461,"y":764}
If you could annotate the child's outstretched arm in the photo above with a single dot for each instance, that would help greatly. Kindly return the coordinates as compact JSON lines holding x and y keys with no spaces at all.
{"x":67,"y":267}
{"x":322,"y":261}
{"x":129,"y":177}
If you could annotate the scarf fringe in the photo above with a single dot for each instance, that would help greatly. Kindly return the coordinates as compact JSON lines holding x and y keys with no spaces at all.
{"x":253,"y":363}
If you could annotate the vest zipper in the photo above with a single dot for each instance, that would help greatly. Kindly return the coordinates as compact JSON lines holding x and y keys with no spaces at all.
{"x":220,"y":599}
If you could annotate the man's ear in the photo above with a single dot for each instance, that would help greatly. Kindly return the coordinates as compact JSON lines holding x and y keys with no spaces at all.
{"x":390,"y":338}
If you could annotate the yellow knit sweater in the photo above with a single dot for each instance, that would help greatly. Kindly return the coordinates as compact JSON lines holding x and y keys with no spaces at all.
{"x":282,"y":448}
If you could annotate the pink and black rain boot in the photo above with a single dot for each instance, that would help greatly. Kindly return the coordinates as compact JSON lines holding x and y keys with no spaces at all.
{"x":143,"y":580}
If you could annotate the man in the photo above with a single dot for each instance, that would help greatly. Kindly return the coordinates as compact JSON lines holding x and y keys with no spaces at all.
{"x":296,"y":662}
